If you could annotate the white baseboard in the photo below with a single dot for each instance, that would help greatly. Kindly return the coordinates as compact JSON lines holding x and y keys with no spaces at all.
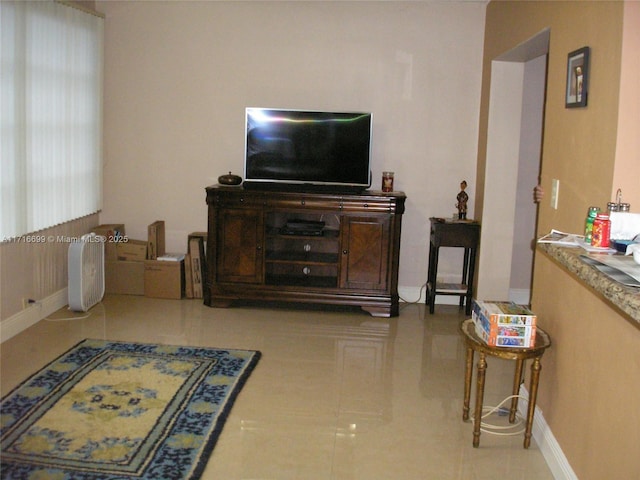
{"x":557,"y":462}
{"x":31,"y":315}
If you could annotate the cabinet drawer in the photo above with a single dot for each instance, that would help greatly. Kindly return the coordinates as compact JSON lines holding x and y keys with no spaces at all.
{"x":368,"y":205}
{"x":238,"y":199}
{"x":302,"y":202}
{"x":302,"y":247}
{"x":302,"y":275}
{"x":303,"y":258}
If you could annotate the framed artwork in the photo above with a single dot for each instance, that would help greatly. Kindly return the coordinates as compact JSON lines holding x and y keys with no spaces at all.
{"x":577,"y":78}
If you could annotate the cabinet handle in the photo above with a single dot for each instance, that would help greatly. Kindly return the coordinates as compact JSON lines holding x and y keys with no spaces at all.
{"x":259,"y":247}
{"x":344,"y":252}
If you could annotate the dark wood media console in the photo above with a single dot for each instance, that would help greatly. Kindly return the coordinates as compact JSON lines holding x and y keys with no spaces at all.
{"x":353,"y":260}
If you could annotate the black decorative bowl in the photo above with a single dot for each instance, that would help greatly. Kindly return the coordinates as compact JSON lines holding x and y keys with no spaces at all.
{"x":229,"y":179}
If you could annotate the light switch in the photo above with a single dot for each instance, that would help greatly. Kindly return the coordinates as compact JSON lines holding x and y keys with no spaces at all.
{"x":555,"y":187}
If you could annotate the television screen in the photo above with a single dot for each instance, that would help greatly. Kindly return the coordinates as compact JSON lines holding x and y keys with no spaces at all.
{"x":307,"y":149}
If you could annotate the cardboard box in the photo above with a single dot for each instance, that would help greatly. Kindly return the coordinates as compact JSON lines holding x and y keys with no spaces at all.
{"x":123,"y":277}
{"x":156,"y":240}
{"x":164,"y":279}
{"x":504,"y":324}
{"x":198,"y":263}
{"x":113,"y":232}
{"x":132,"y":250}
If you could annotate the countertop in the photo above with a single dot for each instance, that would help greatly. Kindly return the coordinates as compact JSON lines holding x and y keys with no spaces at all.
{"x":626,"y":299}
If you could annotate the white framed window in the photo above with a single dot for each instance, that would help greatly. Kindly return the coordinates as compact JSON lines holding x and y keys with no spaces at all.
{"x":51,"y":60}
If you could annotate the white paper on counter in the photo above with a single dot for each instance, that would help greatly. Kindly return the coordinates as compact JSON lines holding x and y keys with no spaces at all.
{"x":620,"y":268}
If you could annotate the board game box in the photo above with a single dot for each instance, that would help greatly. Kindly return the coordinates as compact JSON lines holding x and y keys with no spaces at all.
{"x":504,"y":324}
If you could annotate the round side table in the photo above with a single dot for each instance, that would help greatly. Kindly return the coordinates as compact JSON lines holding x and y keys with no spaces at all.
{"x":475,"y":344}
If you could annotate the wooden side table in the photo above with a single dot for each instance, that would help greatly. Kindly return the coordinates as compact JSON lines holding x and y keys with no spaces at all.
{"x":475,"y":344}
{"x":452,"y":233}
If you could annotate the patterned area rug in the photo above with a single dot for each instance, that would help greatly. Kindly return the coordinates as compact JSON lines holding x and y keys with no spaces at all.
{"x":113,"y":410}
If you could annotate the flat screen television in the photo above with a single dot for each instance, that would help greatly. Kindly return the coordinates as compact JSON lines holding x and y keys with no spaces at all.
{"x":307,"y":150}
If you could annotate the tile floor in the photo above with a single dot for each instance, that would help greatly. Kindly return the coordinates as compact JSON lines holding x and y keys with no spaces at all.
{"x":337,"y":394}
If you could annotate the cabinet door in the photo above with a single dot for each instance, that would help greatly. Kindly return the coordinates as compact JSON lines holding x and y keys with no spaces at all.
{"x":365,"y":252}
{"x":240,"y":246}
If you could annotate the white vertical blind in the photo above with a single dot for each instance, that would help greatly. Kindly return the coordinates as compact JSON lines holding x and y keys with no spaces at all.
{"x":51,"y":58}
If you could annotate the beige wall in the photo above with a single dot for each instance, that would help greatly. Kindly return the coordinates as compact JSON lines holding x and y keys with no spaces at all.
{"x":628,"y":145}
{"x":571,"y":153}
{"x":586,"y":394}
{"x":180,"y":74}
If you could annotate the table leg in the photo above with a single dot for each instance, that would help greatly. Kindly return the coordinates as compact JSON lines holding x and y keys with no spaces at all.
{"x":517,"y":378}
{"x":482,"y":368}
{"x":533,"y":393}
{"x":467,"y":384}
{"x":431,"y":300}
{"x":465,"y":273}
{"x":471,"y":273}
{"x":433,"y":276}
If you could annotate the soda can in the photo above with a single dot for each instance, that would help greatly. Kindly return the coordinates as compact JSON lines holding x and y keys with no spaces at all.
{"x":601,"y":231}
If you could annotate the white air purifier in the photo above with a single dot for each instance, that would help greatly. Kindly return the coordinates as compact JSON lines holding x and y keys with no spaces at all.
{"x":86,"y":272}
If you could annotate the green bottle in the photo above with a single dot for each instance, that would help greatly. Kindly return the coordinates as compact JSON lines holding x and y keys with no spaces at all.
{"x":588,"y":224}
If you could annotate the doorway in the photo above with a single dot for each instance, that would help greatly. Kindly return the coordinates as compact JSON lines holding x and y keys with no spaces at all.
{"x":514,"y":151}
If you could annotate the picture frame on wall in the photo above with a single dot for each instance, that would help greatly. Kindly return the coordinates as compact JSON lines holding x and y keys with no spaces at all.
{"x":577,"y":78}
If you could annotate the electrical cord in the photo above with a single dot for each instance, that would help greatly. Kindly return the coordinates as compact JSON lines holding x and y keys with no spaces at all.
{"x":419,"y":297}
{"x":500,"y":429}
{"x":86,"y":314}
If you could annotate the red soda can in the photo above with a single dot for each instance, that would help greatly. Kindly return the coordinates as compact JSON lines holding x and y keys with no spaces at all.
{"x":601,"y":231}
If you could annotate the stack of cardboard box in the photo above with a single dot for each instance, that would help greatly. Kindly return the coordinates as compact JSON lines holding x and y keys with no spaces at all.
{"x":138,"y":267}
{"x":504,"y":324}
{"x":124,"y":266}
{"x":163,"y":273}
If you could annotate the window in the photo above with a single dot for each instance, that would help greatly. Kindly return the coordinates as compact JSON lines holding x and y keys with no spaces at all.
{"x":50,"y":115}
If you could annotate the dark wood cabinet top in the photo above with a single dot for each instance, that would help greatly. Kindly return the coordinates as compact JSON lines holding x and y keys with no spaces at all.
{"x":371,"y":200}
